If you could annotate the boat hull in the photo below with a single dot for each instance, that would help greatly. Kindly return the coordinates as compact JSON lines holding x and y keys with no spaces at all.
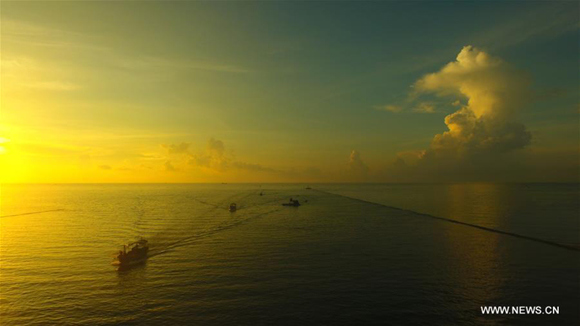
{"x":129,"y":264}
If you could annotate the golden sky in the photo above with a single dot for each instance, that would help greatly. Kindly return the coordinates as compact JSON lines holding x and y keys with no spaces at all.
{"x":288,"y":92}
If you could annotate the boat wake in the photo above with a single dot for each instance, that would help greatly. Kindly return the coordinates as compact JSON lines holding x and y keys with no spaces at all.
{"x":159,"y":246}
{"x":31,"y":213}
{"x":449,"y":220}
{"x":191,"y":229}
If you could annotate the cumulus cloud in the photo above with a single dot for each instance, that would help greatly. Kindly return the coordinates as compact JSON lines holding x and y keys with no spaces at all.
{"x":252,"y":167}
{"x":493,"y":88}
{"x":169,"y":166}
{"x":481,"y":132}
{"x":494,"y":91}
{"x":425,"y":107}
{"x":456,"y":103}
{"x":181,"y":148}
{"x":356,"y":164}
{"x":215,"y":158}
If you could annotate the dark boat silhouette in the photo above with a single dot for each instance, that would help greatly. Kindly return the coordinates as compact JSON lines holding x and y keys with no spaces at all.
{"x":233,"y":207}
{"x":132,"y":254}
{"x":293,"y":203}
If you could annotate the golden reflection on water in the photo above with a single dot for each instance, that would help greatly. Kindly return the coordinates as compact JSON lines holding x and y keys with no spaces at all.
{"x":486,"y":203}
{"x":479,"y":277}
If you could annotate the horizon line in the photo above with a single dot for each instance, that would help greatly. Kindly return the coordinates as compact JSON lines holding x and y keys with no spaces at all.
{"x":289,"y":183}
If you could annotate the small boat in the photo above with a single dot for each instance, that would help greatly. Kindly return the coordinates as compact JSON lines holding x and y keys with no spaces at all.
{"x":308,"y":187}
{"x":233,"y":207}
{"x":132,"y":254}
{"x":293,"y":203}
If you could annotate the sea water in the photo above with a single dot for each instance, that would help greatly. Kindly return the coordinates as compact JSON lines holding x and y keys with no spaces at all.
{"x":334,"y":260}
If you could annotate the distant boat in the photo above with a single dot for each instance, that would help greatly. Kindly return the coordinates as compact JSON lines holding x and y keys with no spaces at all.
{"x":233,"y":207}
{"x":308,"y":187}
{"x":132,"y":254}
{"x":293,"y":202}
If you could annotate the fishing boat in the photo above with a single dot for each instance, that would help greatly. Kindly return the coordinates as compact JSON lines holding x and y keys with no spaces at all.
{"x":233,"y":207}
{"x":132,"y":254}
{"x":292,"y":202}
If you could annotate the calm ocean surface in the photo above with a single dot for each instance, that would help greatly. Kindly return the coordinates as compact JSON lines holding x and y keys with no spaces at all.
{"x":334,"y":260}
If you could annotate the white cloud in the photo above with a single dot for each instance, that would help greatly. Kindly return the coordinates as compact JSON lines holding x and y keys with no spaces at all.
{"x":483,"y":134}
{"x":494,"y":91}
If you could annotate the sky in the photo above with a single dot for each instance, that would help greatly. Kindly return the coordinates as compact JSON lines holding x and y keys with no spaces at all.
{"x":132,"y":91}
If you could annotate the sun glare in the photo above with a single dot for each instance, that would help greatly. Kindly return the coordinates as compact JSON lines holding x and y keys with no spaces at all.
{"x":3,"y":141}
